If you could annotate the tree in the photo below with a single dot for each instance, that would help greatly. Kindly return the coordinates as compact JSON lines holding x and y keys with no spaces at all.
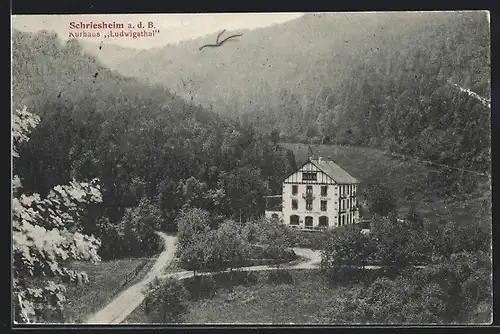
{"x":46,"y":235}
{"x":167,"y":302}
{"x":414,"y":218}
{"x":234,"y":246}
{"x":190,"y":222}
{"x":139,"y":227}
{"x":346,"y":247}
{"x":272,"y":235}
{"x":275,"y":136}
{"x":381,"y":199}
{"x":192,"y":253}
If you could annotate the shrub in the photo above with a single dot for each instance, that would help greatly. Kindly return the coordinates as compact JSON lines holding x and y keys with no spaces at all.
{"x":200,"y":287}
{"x":166,"y":303}
{"x":381,"y":200}
{"x":280,"y":277}
{"x":235,"y":278}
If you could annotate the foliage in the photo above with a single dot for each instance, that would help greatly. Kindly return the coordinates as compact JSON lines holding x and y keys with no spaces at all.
{"x":203,"y":248}
{"x":280,"y":277}
{"x":387,"y":86}
{"x":167,"y":302}
{"x":381,"y":200}
{"x":46,"y":235}
{"x":139,"y":226}
{"x":456,"y":278}
{"x":272,"y":235}
{"x":140,"y":140}
{"x":235,"y":249}
{"x":191,"y":222}
{"x":192,"y":253}
{"x":347,"y":247}
{"x":437,"y":294}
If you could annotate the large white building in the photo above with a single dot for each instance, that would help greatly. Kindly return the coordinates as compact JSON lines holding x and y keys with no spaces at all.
{"x":320,"y":194}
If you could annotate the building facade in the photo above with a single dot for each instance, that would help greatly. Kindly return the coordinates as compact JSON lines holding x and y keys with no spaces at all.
{"x":319,"y":195}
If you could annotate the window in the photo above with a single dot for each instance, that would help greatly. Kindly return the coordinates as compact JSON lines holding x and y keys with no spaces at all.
{"x":323,"y":221}
{"x":343,"y":220}
{"x":294,"y":220}
{"x":348,"y":203}
{"x":348,"y":189}
{"x":323,"y":205}
{"x":324,"y":191}
{"x":295,"y":190}
{"x":295,"y":204}
{"x":309,"y":176}
{"x":309,"y":190}
{"x":309,"y":204}
{"x":309,"y":221}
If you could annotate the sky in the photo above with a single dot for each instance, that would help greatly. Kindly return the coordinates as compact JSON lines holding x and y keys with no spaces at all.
{"x":172,"y":27}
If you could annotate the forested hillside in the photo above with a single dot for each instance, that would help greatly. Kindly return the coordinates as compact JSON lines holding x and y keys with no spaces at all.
{"x":153,"y":152}
{"x":376,"y":79}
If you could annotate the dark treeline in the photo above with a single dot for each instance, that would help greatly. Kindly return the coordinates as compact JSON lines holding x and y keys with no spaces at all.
{"x":153,"y":153}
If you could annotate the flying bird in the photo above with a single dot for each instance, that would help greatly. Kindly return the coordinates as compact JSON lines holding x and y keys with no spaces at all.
{"x":219,"y":43}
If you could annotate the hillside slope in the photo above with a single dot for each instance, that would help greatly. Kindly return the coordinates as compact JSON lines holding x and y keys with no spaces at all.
{"x":377,"y":79}
{"x":152,"y":151}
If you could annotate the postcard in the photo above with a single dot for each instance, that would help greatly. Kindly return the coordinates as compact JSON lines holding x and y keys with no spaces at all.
{"x":325,"y":168}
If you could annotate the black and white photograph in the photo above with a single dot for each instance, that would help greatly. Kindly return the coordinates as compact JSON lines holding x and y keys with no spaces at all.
{"x":328,"y":168}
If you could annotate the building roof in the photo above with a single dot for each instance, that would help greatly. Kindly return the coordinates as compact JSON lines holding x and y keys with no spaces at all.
{"x":333,"y":170}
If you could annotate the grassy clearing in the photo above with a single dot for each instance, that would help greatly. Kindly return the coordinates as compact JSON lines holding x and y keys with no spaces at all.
{"x":102,"y":287}
{"x":261,"y":301}
{"x":408,"y":179}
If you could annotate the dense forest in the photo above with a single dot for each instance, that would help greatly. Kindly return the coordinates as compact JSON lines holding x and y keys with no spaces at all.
{"x":383,"y":80}
{"x":152,"y":152}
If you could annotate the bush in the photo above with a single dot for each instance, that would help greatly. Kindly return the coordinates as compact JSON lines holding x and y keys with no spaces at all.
{"x":200,"y":287}
{"x":381,"y":200}
{"x":167,"y":302}
{"x":235,"y":278}
{"x":346,"y":247}
{"x":280,"y":277}
{"x":139,"y":226}
{"x":340,"y":275}
{"x":455,"y":291}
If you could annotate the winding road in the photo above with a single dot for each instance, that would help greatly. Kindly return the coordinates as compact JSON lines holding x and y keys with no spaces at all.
{"x":128,"y":300}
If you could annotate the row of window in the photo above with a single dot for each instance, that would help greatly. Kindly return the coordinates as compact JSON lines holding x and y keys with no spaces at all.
{"x":309,"y":190}
{"x":309,"y":205}
{"x":322,"y":221}
{"x":350,"y":203}
{"x":347,"y":189}
{"x":346,"y":219}
{"x":309,"y":176}
{"x":308,"y":222}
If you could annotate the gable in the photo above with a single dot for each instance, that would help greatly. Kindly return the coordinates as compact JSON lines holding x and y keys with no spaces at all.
{"x":322,"y":177}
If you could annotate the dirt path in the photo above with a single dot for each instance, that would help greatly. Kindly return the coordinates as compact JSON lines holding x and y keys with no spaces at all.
{"x":314,"y":259}
{"x":128,"y":300}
